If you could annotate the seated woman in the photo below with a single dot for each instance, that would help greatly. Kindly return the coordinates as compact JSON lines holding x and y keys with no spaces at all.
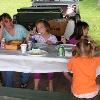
{"x":11,"y":31}
{"x":44,"y":36}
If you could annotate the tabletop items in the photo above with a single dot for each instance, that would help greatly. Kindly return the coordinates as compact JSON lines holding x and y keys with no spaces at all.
{"x":10,"y":45}
{"x":23,"y":48}
{"x":61,"y":51}
{"x":31,"y":47}
{"x":65,"y":50}
{"x":49,"y":60}
{"x":2,"y":43}
{"x":37,"y":52}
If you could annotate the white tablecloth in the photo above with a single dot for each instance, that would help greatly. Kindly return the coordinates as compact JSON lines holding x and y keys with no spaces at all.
{"x":12,"y":61}
{"x":31,"y":64}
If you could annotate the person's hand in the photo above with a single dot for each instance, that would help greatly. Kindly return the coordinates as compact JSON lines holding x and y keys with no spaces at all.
{"x":63,"y":39}
{"x":98,"y":48}
{"x":74,"y":51}
{"x":29,"y":36}
{"x":1,"y":30}
{"x":49,"y":42}
{"x":34,"y":30}
{"x":98,"y":86}
{"x":1,"y":26}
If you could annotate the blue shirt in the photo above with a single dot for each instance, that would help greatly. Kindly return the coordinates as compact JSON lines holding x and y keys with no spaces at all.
{"x":20,"y":33}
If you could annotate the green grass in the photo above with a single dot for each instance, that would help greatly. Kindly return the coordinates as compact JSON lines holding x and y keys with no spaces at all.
{"x":89,"y":11}
{"x":11,"y":6}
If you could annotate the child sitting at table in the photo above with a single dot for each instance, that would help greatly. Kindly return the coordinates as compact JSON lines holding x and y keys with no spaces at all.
{"x":81,"y":29}
{"x":83,"y":65}
{"x":43,"y":36}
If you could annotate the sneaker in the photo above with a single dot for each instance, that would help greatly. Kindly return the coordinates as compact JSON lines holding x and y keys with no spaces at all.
{"x":23,"y":85}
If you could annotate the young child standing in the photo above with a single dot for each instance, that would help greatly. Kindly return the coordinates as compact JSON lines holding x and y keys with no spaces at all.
{"x":83,"y":66}
{"x":43,"y":36}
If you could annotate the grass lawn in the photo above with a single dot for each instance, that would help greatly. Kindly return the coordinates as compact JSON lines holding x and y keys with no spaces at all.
{"x":89,"y":11}
{"x":11,"y":6}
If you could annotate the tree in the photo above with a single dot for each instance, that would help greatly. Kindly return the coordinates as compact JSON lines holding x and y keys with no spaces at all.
{"x":98,"y":2}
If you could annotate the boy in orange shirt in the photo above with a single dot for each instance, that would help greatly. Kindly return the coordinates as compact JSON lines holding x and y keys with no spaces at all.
{"x":83,"y":66}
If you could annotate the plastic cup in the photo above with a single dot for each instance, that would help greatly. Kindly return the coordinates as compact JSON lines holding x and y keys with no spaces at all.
{"x":68,"y":54}
{"x":23,"y":48}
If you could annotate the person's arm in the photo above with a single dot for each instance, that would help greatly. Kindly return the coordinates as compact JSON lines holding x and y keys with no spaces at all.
{"x":24,"y":31}
{"x":69,"y":66}
{"x":1,"y":31}
{"x":97,"y":48}
{"x":52,"y":40}
{"x":67,"y":76}
{"x":31,"y":34}
{"x":69,"y":29}
{"x":63,"y":39}
{"x":97,"y":59}
{"x":28,"y":37}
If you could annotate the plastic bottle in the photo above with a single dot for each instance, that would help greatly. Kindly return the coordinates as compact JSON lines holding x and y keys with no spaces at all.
{"x":61,"y":51}
{"x":29,"y":44}
{"x":3,"y":43}
{"x":33,"y":42}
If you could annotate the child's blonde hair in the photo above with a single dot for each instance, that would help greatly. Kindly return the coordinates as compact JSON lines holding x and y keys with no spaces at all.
{"x":85,"y":46}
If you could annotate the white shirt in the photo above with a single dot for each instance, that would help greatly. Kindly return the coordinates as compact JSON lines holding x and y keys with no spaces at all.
{"x":69,"y":29}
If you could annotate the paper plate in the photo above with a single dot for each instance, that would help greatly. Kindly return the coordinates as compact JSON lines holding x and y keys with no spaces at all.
{"x":38,"y":53}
